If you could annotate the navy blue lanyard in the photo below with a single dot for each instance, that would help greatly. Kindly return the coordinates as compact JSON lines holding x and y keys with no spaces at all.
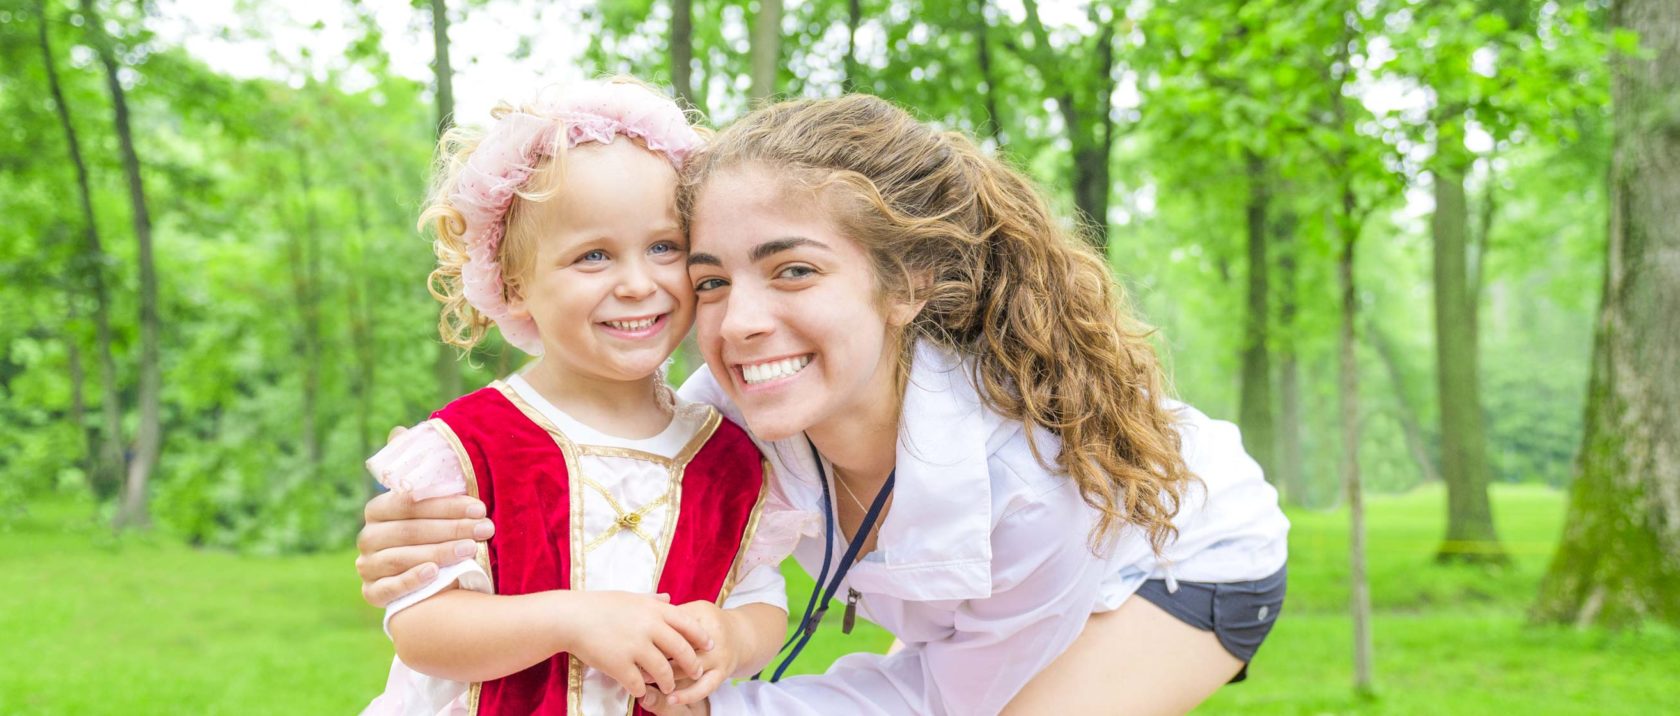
{"x":813,"y":612}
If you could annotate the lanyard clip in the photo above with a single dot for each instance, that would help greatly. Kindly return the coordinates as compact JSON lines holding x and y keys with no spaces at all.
{"x":811,"y":624}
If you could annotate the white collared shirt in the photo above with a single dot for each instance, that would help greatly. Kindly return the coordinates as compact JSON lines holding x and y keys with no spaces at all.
{"x":983,"y":567}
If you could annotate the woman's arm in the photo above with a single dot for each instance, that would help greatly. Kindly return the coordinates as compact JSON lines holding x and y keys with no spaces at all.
{"x":404,"y":541}
{"x":1045,"y":583}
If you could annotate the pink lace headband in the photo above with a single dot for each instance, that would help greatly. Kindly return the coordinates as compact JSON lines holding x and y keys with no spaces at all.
{"x":593,"y":111}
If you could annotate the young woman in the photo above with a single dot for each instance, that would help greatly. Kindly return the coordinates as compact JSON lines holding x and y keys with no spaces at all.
{"x":933,"y":363}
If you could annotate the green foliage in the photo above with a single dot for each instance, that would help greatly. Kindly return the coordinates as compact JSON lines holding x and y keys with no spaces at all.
{"x":297,"y":322}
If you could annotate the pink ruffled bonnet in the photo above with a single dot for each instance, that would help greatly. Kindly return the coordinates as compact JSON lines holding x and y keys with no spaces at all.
{"x":591,"y":111}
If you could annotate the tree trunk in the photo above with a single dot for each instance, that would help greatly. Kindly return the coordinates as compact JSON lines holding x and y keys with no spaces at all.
{"x":766,"y":49}
{"x":983,"y":57}
{"x":1288,"y":477}
{"x":1619,"y":561}
{"x":78,"y":400}
{"x":363,"y":337}
{"x":149,"y":439}
{"x":1090,"y":130}
{"x":1347,"y":229}
{"x":682,"y":52}
{"x":1254,"y":413}
{"x":106,"y":474}
{"x":854,"y":17}
{"x":1470,"y":531}
{"x":1348,"y":378}
{"x":1410,"y":426}
{"x":304,"y":253}
{"x":444,"y":361}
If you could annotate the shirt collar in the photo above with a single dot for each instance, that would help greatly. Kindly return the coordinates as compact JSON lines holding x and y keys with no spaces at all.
{"x":936,"y":541}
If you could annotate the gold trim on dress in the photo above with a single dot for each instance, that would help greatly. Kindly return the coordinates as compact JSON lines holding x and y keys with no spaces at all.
{"x":482,"y":554}
{"x":735,"y":575}
{"x":679,"y":468}
{"x":574,"y":487}
{"x":632,"y":453}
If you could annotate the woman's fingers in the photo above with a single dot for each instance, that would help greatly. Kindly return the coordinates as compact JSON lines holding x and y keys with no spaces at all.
{"x":393,"y":561}
{"x":381,"y":592}
{"x":380,"y":536}
{"x":391,"y":506}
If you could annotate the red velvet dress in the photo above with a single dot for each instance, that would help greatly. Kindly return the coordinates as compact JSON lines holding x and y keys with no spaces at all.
{"x":525,"y":471}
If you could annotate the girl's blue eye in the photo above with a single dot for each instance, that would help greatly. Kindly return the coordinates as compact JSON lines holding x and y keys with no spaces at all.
{"x":663,"y":247}
{"x":596,"y":255}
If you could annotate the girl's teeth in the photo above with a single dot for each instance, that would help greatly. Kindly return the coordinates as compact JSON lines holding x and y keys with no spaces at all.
{"x":763,"y":372}
{"x":632,"y":325}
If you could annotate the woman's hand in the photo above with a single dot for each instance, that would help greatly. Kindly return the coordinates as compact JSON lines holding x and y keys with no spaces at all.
{"x":404,"y":542}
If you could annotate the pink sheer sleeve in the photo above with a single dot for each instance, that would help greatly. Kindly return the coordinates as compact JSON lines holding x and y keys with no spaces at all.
{"x":780,"y":527}
{"x":421,"y":463}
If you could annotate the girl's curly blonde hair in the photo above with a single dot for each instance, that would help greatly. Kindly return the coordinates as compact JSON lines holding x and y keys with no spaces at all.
{"x":1051,"y":338}
{"x":459,"y":323}
{"x":523,"y":171}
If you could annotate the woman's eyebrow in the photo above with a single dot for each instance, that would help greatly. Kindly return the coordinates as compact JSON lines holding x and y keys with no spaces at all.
{"x":775,"y":246}
{"x":698,"y":259}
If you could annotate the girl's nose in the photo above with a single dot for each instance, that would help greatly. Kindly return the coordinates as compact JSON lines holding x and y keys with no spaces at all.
{"x":636,"y":282}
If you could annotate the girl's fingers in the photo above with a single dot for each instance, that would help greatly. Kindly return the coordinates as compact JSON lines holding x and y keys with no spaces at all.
{"x":627,"y":675}
{"x":384,"y":591}
{"x":658,"y":669}
{"x":680,"y":653}
{"x":700,"y":688}
{"x":690,"y":629}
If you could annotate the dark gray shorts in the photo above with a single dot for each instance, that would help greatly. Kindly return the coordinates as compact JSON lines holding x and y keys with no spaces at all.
{"x":1239,"y":614}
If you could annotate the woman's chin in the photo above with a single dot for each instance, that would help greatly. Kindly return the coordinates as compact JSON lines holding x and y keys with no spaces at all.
{"x":771,"y":428}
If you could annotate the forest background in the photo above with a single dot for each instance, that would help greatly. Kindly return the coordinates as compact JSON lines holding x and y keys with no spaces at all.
{"x":1422,"y":252}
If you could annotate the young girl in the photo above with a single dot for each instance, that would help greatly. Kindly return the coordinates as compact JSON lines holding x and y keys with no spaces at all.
{"x":613,"y":501}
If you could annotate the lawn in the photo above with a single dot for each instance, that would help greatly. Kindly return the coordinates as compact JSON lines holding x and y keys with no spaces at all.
{"x":92,"y":624}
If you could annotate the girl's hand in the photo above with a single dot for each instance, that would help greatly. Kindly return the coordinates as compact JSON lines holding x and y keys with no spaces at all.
{"x":633,"y":638}
{"x":660,"y":705}
{"x":718,"y":663}
{"x":405,"y":541}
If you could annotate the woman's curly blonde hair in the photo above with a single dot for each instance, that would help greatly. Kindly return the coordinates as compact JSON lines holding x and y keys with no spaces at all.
{"x":1051,"y":337}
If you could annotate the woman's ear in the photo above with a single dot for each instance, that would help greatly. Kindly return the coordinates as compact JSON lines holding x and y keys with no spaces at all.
{"x":901,"y":313}
{"x":904,"y":310}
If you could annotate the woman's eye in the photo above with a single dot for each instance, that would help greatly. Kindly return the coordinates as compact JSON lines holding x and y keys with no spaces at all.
{"x":707,"y":284}
{"x":795,"y":272}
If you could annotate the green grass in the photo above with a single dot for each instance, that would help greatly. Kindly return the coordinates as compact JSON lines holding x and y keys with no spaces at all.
{"x":94,"y":624}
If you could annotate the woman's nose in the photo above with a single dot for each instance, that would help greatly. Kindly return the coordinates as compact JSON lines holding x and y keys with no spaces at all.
{"x":747,"y":314}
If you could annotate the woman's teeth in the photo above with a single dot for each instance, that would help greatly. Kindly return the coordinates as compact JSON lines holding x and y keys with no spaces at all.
{"x":632,"y":325}
{"x":765,"y":372}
